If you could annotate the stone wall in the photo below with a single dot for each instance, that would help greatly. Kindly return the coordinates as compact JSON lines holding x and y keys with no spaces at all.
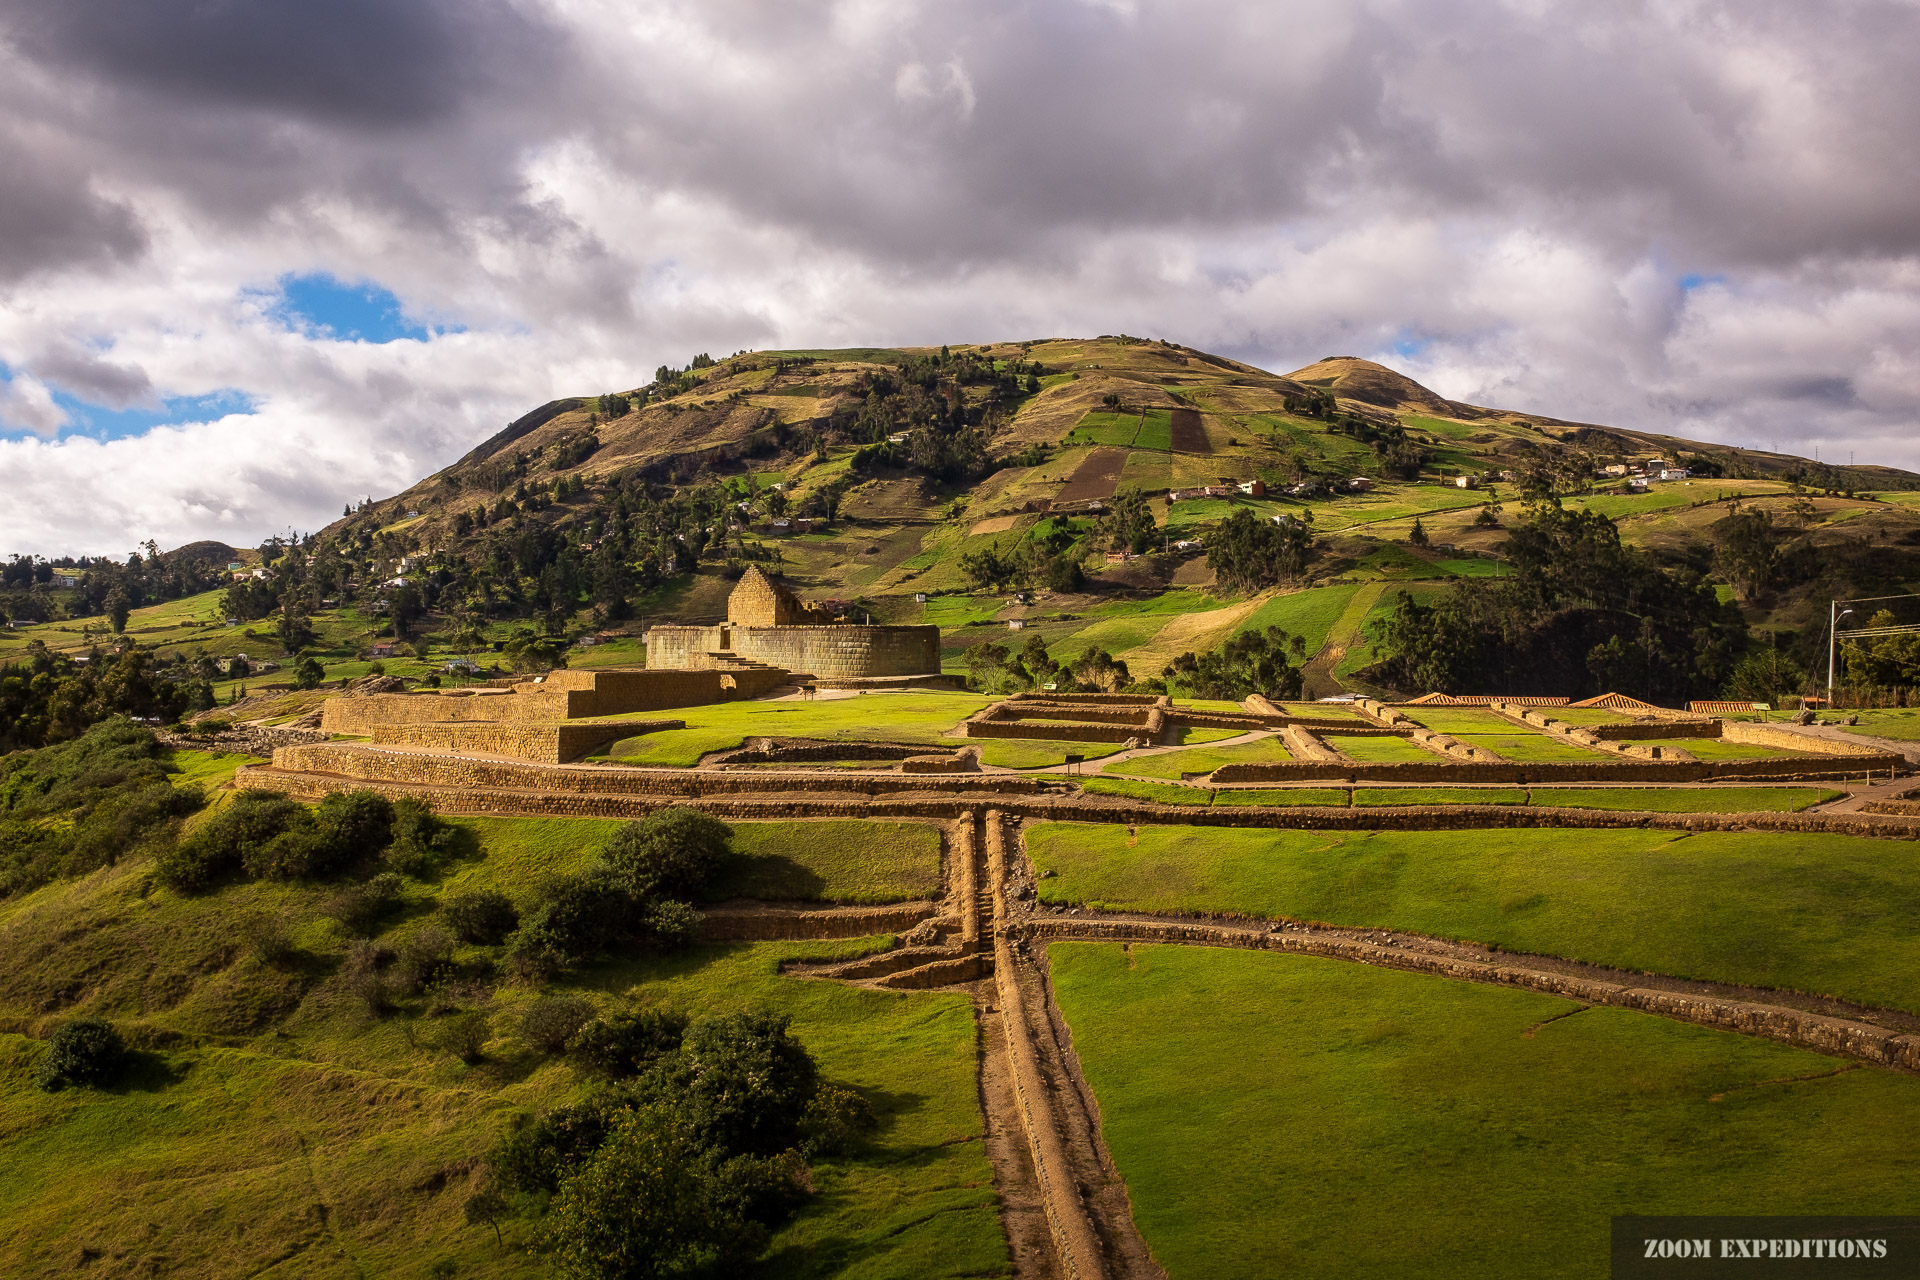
{"x":564,"y":695}
{"x":674,"y":648}
{"x":1767,"y":735}
{"x":763,"y":924}
{"x":843,"y":651}
{"x":356,"y":762}
{"x":1559,"y":771}
{"x":540,"y":743}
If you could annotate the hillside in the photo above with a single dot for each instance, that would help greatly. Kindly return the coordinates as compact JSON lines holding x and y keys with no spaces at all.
{"x":898,"y":469}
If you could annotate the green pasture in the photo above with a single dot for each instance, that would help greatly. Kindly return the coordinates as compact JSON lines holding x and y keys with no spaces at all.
{"x":1830,"y":914}
{"x":1585,"y":717}
{"x":1152,"y":429}
{"x":1460,"y":720}
{"x":1310,"y":614}
{"x":1686,"y":799}
{"x":1290,"y":796}
{"x":1380,"y":748}
{"x":1173,"y":764}
{"x":1364,"y":797}
{"x":1337,"y":1121}
{"x":1527,"y":747}
{"x":868,"y":717}
{"x":1160,"y":792}
{"x":1900,"y":724}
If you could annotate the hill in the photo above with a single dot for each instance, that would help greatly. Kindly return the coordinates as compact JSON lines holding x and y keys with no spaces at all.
{"x":875,"y":476}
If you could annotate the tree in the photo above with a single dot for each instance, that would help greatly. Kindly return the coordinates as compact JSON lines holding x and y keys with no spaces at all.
{"x":669,"y":853}
{"x":1250,"y":553}
{"x":309,"y":674}
{"x":647,"y":1205}
{"x":1252,"y":662}
{"x":84,"y":1051}
{"x":1418,"y":534}
{"x":118,"y":607}
{"x":1747,"y":549}
{"x":1769,"y":675}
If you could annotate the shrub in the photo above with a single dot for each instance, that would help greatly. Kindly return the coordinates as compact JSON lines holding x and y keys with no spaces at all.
{"x":670,"y":923}
{"x":361,"y":977}
{"x":648,"y":1203}
{"x":627,"y":1043}
{"x":425,"y":958}
{"x":552,"y":1022}
{"x":463,"y":1034}
{"x":577,"y":917}
{"x":669,"y":853}
{"x":220,"y":848}
{"x":483,"y":916}
{"x":740,"y":1082}
{"x":85,"y":1051}
{"x":360,"y":907}
{"x":265,"y":938}
{"x":534,"y":1157}
{"x":420,"y":841}
{"x":836,"y":1121}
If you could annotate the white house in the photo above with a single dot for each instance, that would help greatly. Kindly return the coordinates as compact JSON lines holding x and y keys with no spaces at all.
{"x":1466,"y":482}
{"x":1675,"y":473}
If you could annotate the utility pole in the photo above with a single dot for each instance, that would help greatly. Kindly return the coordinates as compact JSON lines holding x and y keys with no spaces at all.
{"x":1833,"y":620}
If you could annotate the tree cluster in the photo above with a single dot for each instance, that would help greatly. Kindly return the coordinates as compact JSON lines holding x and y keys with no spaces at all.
{"x":1580,"y":612}
{"x":1264,"y":661}
{"x":1251,"y":553}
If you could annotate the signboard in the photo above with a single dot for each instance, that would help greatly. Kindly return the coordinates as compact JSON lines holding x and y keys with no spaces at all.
{"x":1762,"y":706}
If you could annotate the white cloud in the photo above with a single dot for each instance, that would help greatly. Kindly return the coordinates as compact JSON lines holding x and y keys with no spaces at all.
{"x":1502,"y":199}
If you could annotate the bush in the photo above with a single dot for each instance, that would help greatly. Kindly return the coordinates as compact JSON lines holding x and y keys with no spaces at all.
{"x":669,"y":853}
{"x":626,"y":1044}
{"x":463,"y":1034}
{"x":360,"y":907}
{"x":265,"y":938}
{"x":361,"y":977}
{"x":535,"y":1157}
{"x":85,"y":1051}
{"x":549,"y":1024}
{"x":670,"y":923}
{"x":836,"y":1121}
{"x":577,"y":917}
{"x":219,"y":849}
{"x":482,"y":917}
{"x":648,"y":1204}
{"x":425,"y":958}
{"x":739,"y":1082}
{"x":420,"y":841}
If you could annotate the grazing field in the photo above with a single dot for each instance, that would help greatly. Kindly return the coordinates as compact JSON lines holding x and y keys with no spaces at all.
{"x":1173,"y":764}
{"x":1309,"y":614}
{"x":838,"y":860}
{"x":1334,"y":1121}
{"x":1838,"y":915}
{"x":1380,"y":749}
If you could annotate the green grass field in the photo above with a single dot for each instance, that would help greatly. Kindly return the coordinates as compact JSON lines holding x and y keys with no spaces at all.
{"x":1163,"y":792}
{"x":1585,"y":716}
{"x":872,"y":717}
{"x":1900,"y":724}
{"x":1385,"y":796}
{"x":1336,"y":1121}
{"x":1838,"y":915}
{"x":1309,"y":614}
{"x":1295,"y":796}
{"x":838,"y":860}
{"x":1528,"y":748}
{"x":1686,"y":799}
{"x":1173,"y":764}
{"x":1460,"y":720}
{"x":1380,"y":749}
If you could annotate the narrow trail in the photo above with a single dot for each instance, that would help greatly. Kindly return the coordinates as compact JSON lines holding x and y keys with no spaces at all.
{"x":1317,"y":676}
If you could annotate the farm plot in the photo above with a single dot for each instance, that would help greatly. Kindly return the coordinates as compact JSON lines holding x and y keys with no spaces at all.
{"x":1189,"y":434}
{"x":1806,"y":911}
{"x":1095,"y":478}
{"x":1335,"y":1121}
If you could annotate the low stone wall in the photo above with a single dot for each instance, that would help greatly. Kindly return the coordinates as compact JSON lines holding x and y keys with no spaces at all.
{"x":1768,"y":735}
{"x":1049,"y":731}
{"x":563,"y":695}
{"x":1559,"y":771}
{"x":355,"y":762}
{"x":843,"y":650}
{"x":964,"y":761}
{"x":1665,"y":729}
{"x":540,"y":743}
{"x":1774,"y":1022}
{"x":1095,"y":699}
{"x":767,"y":750}
{"x":1305,"y":746}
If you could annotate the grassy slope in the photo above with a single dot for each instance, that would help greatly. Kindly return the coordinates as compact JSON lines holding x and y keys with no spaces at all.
{"x":1380,"y":748}
{"x":890,"y":717}
{"x":1334,"y":1121}
{"x":1836,"y":915}
{"x":841,"y":860}
{"x":275,"y":1092}
{"x":1201,"y":760}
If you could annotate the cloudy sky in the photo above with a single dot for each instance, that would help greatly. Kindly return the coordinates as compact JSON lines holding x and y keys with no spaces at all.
{"x":262,"y":257}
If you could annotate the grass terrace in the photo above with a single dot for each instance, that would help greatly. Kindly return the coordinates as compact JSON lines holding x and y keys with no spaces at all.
{"x":1174,"y":764}
{"x":1380,"y":749}
{"x":1813,"y":912}
{"x":1719,"y":749}
{"x":1341,"y":1122}
{"x":1528,"y":748}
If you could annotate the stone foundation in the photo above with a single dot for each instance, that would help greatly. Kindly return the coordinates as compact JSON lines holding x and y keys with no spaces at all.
{"x":540,"y":743}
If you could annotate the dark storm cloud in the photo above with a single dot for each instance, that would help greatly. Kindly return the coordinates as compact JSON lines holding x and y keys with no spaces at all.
{"x":51,"y":216}
{"x":362,"y":62}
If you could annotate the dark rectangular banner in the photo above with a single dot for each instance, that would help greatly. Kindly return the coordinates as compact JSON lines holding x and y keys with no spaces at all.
{"x":1783,"y":1248}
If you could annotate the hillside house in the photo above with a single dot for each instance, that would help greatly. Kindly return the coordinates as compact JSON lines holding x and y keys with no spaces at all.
{"x":1466,"y":482}
{"x":1675,"y":473}
{"x":1359,"y":484}
{"x":1253,"y":488}
{"x":380,"y":651}
{"x":1016,"y":624}
{"x":1615,"y":469}
{"x":67,"y":579}
{"x":234,"y":566}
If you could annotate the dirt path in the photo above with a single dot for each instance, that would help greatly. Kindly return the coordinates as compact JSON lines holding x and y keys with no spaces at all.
{"x":1317,"y":676}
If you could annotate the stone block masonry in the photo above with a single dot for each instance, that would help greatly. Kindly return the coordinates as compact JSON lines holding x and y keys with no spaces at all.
{"x":540,"y":743}
{"x":563,"y":695}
